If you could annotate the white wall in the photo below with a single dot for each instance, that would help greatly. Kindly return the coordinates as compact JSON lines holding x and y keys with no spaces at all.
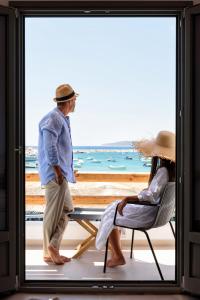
{"x":75,"y":234}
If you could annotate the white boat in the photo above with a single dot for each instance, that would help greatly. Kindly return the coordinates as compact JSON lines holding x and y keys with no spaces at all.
{"x":80,"y":161}
{"x":147,"y":164}
{"x":30,"y":157}
{"x":145,"y":159}
{"x":77,"y":161}
{"x":120,"y":167}
{"x":77,"y":165}
{"x":89,"y":158}
{"x":96,"y":161}
{"x":30,"y":154}
{"x":111,"y":159}
{"x":30,"y":164}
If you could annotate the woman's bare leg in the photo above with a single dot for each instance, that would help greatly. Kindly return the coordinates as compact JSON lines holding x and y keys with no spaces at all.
{"x":117,"y":257}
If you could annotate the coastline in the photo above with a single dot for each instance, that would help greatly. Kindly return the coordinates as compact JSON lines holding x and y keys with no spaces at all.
{"x":97,"y":159}
{"x":102,"y":150}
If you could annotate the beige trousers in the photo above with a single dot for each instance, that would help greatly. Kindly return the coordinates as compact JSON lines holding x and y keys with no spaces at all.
{"x":58,"y":204}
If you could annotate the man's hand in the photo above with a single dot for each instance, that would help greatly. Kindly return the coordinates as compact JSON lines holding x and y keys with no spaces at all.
{"x":121,"y":206}
{"x":59,"y":179}
{"x":59,"y":175}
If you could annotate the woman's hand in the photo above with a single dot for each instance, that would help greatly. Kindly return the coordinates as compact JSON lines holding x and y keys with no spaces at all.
{"x":121,"y":206}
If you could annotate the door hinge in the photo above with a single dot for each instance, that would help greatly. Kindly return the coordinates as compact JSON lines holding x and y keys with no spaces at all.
{"x":183,"y":14}
{"x":19,"y":150}
{"x":183,"y":282}
{"x":16,"y":13}
{"x":15,"y":10}
{"x":180,"y":113}
{"x":16,"y":282}
{"x":180,"y":180}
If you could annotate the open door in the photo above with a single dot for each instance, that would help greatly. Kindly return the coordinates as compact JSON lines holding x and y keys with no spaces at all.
{"x":7,"y":151}
{"x":191,"y":280}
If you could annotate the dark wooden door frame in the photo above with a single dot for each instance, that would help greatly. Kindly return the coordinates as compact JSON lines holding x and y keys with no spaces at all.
{"x":8,"y":153}
{"x":191,"y":144}
{"x":102,"y":8}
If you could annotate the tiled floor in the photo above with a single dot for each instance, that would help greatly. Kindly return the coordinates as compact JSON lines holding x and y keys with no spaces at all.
{"x":90,"y":266}
{"x":97,"y":297}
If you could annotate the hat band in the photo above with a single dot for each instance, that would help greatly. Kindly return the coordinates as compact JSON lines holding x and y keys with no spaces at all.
{"x":65,"y":97}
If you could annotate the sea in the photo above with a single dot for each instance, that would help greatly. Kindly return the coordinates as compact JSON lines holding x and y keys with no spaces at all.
{"x":98,"y":159}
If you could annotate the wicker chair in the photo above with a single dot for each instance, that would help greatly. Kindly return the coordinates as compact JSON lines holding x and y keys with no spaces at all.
{"x":164,"y":214}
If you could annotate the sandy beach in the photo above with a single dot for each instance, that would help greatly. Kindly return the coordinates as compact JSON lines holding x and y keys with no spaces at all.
{"x":88,"y":189}
{"x":93,"y":188}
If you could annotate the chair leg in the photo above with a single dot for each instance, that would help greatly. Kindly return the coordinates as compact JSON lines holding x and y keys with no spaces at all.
{"x":105,"y":258}
{"x":157,"y":264}
{"x":132,"y":240}
{"x":172,"y":228}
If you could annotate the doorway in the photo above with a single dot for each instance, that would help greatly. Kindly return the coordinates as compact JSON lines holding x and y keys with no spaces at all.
{"x":125,"y":71}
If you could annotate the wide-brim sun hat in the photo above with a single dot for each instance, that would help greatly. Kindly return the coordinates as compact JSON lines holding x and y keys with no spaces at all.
{"x":163,"y":146}
{"x":64,"y":93}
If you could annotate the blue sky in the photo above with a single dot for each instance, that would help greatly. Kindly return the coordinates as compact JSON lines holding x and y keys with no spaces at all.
{"x":123,"y":68}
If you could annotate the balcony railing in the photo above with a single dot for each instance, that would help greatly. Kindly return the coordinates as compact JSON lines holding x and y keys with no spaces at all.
{"x":36,"y":196}
{"x":91,"y":197}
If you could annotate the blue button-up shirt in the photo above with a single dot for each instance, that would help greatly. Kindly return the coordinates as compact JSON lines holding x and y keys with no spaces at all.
{"x":55,"y":146}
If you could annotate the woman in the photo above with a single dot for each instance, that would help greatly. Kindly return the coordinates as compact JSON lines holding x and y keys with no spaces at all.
{"x":162,"y":151}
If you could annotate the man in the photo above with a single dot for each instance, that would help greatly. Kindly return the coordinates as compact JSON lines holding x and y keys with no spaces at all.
{"x":56,"y":170}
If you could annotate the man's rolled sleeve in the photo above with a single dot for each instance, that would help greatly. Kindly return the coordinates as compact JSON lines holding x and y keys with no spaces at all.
{"x":51,"y":151}
{"x":51,"y":130}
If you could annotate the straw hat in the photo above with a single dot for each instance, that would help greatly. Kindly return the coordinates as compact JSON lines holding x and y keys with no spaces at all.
{"x":64,"y":92}
{"x":162,"y":146}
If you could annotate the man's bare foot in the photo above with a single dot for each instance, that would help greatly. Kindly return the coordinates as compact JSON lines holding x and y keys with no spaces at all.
{"x":116,"y":261}
{"x":54,"y":255}
{"x":65,"y":258}
{"x":49,"y":259}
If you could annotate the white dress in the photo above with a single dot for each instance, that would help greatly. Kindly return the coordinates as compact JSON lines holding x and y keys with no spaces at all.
{"x":134,"y":215}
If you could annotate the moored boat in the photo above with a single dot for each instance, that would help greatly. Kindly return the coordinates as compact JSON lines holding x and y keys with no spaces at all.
{"x":120,"y":167}
{"x":147,"y":164}
{"x":77,"y":166}
{"x":96,"y":161}
{"x":31,"y":164}
{"x":128,"y":157}
{"x":89,"y":158}
{"x":111,"y":159}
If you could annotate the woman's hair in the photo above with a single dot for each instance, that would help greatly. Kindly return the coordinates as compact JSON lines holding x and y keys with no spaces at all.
{"x":157,"y":162}
{"x":154,"y":164}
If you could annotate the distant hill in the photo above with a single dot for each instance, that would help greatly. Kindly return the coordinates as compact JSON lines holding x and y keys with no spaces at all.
{"x":120,"y":144}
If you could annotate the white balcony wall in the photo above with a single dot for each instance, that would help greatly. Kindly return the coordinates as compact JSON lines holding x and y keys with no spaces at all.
{"x":74,"y":234}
